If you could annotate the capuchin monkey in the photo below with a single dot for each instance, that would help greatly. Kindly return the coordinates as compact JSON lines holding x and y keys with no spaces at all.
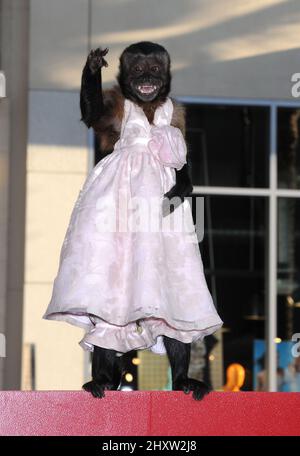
{"x":144,"y":77}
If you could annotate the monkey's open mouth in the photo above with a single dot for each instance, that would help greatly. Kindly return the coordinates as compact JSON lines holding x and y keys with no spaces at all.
{"x":146,"y":89}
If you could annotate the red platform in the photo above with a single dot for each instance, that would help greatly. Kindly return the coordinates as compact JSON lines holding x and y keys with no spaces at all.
{"x":148,"y":413}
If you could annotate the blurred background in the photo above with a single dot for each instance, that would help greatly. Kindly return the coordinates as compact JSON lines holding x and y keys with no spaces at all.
{"x":232,"y":64}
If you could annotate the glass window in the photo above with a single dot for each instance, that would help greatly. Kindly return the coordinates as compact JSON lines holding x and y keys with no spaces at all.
{"x":234,"y":252}
{"x":229,"y":145}
{"x":288,"y":293}
{"x":288,"y":122}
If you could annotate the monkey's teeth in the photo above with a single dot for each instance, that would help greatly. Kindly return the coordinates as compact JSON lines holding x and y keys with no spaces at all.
{"x":146,"y":88}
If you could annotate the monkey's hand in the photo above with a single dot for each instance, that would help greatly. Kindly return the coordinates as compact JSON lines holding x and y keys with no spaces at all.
{"x":174,"y":197}
{"x":96,"y":60}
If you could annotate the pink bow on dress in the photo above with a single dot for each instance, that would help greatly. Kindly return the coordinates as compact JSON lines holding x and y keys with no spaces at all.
{"x":168,"y":146}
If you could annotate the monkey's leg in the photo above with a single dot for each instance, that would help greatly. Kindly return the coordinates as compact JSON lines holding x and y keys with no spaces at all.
{"x":179,"y":357}
{"x":118,"y":371}
{"x":106,"y":372}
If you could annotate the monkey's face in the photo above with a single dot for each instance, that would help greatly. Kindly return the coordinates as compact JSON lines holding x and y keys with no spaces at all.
{"x":147,"y":75}
{"x":144,"y":78}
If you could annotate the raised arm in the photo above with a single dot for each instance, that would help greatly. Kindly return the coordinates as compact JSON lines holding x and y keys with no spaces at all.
{"x":91,"y":97}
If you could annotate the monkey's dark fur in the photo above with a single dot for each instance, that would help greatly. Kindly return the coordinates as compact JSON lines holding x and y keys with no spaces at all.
{"x":144,"y":78}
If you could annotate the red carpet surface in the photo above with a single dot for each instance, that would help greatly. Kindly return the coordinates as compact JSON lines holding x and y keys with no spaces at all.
{"x":149,"y":413}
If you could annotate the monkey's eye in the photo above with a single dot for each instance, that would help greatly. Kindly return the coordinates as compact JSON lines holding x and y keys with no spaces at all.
{"x":138,"y":69}
{"x":155,"y":69}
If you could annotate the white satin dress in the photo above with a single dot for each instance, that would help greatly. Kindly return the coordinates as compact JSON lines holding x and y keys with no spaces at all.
{"x":126,"y":274}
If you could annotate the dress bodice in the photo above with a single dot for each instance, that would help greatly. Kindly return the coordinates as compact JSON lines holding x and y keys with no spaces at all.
{"x":161,"y":139}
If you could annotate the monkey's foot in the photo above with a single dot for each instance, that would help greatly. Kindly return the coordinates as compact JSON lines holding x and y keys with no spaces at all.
{"x":200,"y":389}
{"x":97,"y":389}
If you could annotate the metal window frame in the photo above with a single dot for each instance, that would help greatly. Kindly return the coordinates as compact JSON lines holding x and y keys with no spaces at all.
{"x":272,"y":192}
